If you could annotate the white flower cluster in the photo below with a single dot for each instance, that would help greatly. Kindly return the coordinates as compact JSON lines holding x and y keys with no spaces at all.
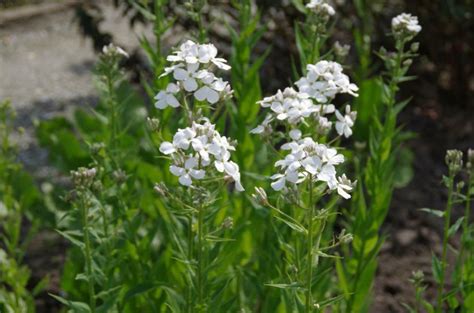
{"x":405,"y":23}
{"x":192,"y":69}
{"x":322,"y":83}
{"x":195,"y":148}
{"x":308,"y":159}
{"x":322,"y":8}
{"x":324,"y":80}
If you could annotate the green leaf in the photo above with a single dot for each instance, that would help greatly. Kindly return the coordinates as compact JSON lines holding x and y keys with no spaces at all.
{"x":404,"y":168}
{"x":294,"y":285}
{"x":69,"y":236}
{"x":437,"y":268}
{"x":454,"y":228}
{"x":437,"y":213}
{"x":76,"y":307}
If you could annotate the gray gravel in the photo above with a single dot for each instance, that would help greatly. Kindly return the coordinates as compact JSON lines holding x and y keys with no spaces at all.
{"x":46,"y":69}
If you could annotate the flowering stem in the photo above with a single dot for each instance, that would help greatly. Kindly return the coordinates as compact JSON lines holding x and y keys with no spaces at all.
{"x":199,"y":257}
{"x":447,"y":222}
{"x":310,"y":248}
{"x":465,"y":226}
{"x":113,"y":118}
{"x":190,"y":257}
{"x":88,"y":254}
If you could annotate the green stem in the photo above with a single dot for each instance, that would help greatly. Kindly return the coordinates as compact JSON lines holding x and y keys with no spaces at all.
{"x":465,"y":229}
{"x":309,"y":264}
{"x":200,"y":258}
{"x":447,"y":223}
{"x":88,"y":254}
{"x":189,"y":290}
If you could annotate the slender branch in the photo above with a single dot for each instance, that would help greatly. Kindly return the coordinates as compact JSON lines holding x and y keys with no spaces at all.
{"x":88,"y":253}
{"x":309,"y":264}
{"x":447,"y":223}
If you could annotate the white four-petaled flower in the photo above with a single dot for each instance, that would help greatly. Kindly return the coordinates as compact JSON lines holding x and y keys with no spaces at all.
{"x":191,"y":68}
{"x":167,"y":97}
{"x":195,"y":148}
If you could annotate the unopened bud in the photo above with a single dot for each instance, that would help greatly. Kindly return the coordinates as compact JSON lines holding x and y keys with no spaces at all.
{"x":454,"y":161}
{"x":119,"y":176}
{"x":153,"y":123}
{"x":417,"y":278}
{"x":83,"y":177}
{"x":97,"y":186}
{"x":161,"y":189}
{"x":415,"y":46}
{"x":293,"y":269}
{"x":113,"y":50}
{"x":470,"y":159}
{"x":345,"y":238}
{"x":96,"y":147}
{"x":407,"y":62}
{"x":228,"y":223}
{"x":260,"y":196}
{"x":341,"y":50}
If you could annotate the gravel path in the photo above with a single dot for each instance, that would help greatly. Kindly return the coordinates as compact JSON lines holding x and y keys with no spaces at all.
{"x":46,"y":69}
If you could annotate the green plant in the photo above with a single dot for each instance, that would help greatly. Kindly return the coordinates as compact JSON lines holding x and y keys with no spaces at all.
{"x":17,"y":197}
{"x":380,"y":165}
{"x":457,"y":297}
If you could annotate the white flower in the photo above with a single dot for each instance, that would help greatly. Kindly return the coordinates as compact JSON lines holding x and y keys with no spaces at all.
{"x":185,"y":173}
{"x":345,"y":123}
{"x":207,"y":93}
{"x":188,"y":52}
{"x":329,"y":155}
{"x":200,"y":146}
{"x":192,"y":64}
{"x":187,"y":76}
{"x":167,"y":97}
{"x":307,"y":159}
{"x":343,"y":186}
{"x":405,"y":23}
{"x":183,"y":138}
{"x":208,"y":52}
{"x":321,"y":7}
{"x":295,"y":134}
{"x":167,"y":148}
{"x":265,"y":127}
{"x":290,"y":105}
{"x":324,"y":80}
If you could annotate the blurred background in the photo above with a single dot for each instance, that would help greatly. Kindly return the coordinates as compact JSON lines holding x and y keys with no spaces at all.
{"x":48,"y":50}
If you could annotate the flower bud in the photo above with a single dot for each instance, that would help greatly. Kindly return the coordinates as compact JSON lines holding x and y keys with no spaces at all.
{"x":97,"y":186}
{"x":454,"y":161}
{"x":407,"y":62}
{"x":415,"y":47}
{"x":417,"y":278}
{"x":341,"y":50}
{"x":260,"y":196}
{"x":293,"y":269}
{"x":345,"y":238}
{"x":113,"y":50}
{"x":3,"y":210}
{"x":83,"y":177}
{"x":470,"y":159}
{"x":96,"y":147}
{"x":153,"y":123}
{"x":228,"y":223}
{"x":119,"y":176}
{"x":160,"y":189}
